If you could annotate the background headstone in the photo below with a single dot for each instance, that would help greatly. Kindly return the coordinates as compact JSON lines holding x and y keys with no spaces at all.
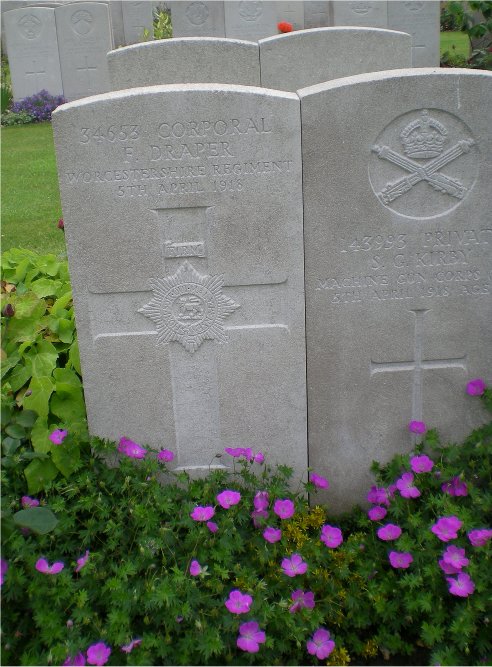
{"x":317,"y":14}
{"x":186,"y":60}
{"x":197,"y":18}
{"x":183,"y":219}
{"x":84,"y":39}
{"x":117,"y":25}
{"x":422,"y":21}
{"x":354,"y":12}
{"x":32,"y":50}
{"x":252,"y":20}
{"x":137,"y":17}
{"x":396,"y":173}
{"x":299,"y":59}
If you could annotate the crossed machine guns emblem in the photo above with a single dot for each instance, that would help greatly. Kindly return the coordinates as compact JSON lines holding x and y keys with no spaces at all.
{"x":422,"y":139}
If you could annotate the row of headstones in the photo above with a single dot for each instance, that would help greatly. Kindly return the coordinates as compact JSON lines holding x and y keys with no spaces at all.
{"x":61,"y":47}
{"x":213,"y":253}
{"x":256,"y":20}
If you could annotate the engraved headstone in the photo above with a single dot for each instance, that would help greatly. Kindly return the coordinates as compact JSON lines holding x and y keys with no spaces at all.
{"x":299,"y":59}
{"x":422,"y":21}
{"x":32,"y":49}
{"x":137,"y":18}
{"x":84,"y":39}
{"x":355,"y":12}
{"x":185,"y":60}
{"x":183,"y":215}
{"x":197,"y":18}
{"x":253,"y":20}
{"x":396,"y":172}
{"x":317,"y":14}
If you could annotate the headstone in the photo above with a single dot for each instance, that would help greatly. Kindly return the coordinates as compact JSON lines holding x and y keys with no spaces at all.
{"x":369,"y":14}
{"x":137,"y":18}
{"x":396,"y":172}
{"x":197,"y":18}
{"x":186,"y":60}
{"x":317,"y":14}
{"x":32,"y":50}
{"x":183,"y":218}
{"x":299,"y":59}
{"x":117,"y":26}
{"x":84,"y":39}
{"x":422,"y":21}
{"x":252,"y":20}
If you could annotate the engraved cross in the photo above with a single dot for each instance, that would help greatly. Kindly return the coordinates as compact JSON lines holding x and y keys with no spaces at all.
{"x":35,"y":74}
{"x":87,"y":69}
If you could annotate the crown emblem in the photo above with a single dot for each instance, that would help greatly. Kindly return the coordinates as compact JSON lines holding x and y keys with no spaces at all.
{"x":424,"y":137}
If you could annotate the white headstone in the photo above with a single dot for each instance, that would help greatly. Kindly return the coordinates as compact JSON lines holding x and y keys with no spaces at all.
{"x":32,"y":49}
{"x":299,"y":59}
{"x":183,"y":215}
{"x":396,"y":172}
{"x":317,"y":14}
{"x":137,"y":18}
{"x":185,"y":60}
{"x":197,"y":18}
{"x":117,"y":26}
{"x":369,"y":14}
{"x":84,"y":39}
{"x":248,"y":19}
{"x":422,"y":21}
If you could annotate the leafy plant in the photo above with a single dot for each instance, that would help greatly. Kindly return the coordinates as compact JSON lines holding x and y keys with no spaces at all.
{"x":474,"y":19}
{"x":39,"y":106}
{"x":162,"y":26}
{"x":21,"y":118}
{"x":5,"y":97}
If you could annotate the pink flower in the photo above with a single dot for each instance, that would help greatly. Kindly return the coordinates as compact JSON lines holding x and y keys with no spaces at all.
{"x":257,"y":516}
{"x":456,"y":557}
{"x":250,"y":637}
{"x":479,"y":538}
{"x":405,"y":486}
{"x":261,"y":501}
{"x":284,"y":508}
{"x":476,"y":387}
{"x":331,"y":536}
{"x":98,"y":654}
{"x":377,"y":496}
{"x":272,"y":534}
{"x":400,"y":559}
{"x":417,"y":427}
{"x":377,"y":513}
{"x":4,"y":566}
{"x":238,"y":452}
{"x":294,"y":565}
{"x":319,"y":481}
{"x":82,"y":561}
{"x":446,"y":528}
{"x":212,"y":526}
{"x":389,"y":532}
{"x":301,"y":600}
{"x":455,"y":487}
{"x":58,"y":436}
{"x":202,"y":513}
{"x":43,"y":566}
{"x":238,"y":603}
{"x":79,"y":659}
{"x":131,"y":449}
{"x":259,"y":457}
{"x":195,"y":568}
{"x":421,"y":464}
{"x":29,"y":502}
{"x":320,"y":644}
{"x":128,"y":648}
{"x":462,"y":586}
{"x":447,"y":568}
{"x":228,"y":498}
{"x":165,"y":455}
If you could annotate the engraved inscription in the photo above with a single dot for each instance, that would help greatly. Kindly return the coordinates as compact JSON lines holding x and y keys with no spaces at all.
{"x":249,"y":10}
{"x":197,"y":13}
{"x":81,"y":22}
{"x":189,"y":249}
{"x":30,"y":26}
{"x":361,"y":7}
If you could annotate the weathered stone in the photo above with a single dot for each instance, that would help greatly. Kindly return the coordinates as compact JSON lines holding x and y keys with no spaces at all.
{"x":183,"y":219}
{"x":422,"y":21}
{"x":369,"y":14}
{"x":299,"y":59}
{"x":317,"y":14}
{"x":197,"y":18}
{"x":252,"y":20}
{"x":396,"y":172}
{"x":137,"y":18}
{"x":186,"y":60}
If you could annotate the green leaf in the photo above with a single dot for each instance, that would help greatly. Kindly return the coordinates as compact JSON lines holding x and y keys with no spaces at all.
{"x":39,"y":436}
{"x":66,"y":458}
{"x":8,"y":363}
{"x":29,"y":306}
{"x":61,"y":303}
{"x":43,"y":358}
{"x":19,"y":376}
{"x":40,"y":520}
{"x":10,"y":445}
{"x":26,"y":418}
{"x":65,"y":330}
{"x":42,"y":388}
{"x":67,"y":382}
{"x":46,"y":287}
{"x":74,"y":357}
{"x":15,"y":431}
{"x":38,"y":474}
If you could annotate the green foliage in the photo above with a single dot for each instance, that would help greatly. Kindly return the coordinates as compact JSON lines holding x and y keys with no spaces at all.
{"x":10,"y":118}
{"x":162,"y":26}
{"x":452,"y":16}
{"x":474,"y":19}
{"x":5,"y":97}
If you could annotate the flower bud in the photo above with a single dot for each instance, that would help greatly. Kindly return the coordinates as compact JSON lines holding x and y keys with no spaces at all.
{"x":61,"y":224}
{"x":8,"y":310}
{"x":69,"y":623}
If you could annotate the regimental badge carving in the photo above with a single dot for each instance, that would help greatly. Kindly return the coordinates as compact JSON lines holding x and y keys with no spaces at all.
{"x":197,"y":13}
{"x":189,"y":307}
{"x":249,"y":10}
{"x":82,"y":22}
{"x":413,"y":6}
{"x":361,"y":7}
{"x":438,"y":157}
{"x":30,"y":26}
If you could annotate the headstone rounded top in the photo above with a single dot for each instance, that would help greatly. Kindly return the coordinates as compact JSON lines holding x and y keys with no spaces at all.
{"x":174,"y":42}
{"x":332,"y":31}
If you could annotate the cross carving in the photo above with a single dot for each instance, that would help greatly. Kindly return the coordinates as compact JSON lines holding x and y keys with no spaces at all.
{"x":35,"y":74}
{"x":87,"y":69}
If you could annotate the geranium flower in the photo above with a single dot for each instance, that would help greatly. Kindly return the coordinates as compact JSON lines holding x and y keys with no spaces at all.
{"x":320,"y":644}
{"x":202,"y":513}
{"x":479,"y":538}
{"x":456,"y":557}
{"x":259,"y":457}
{"x":400,"y":559}
{"x":82,"y":561}
{"x":228,"y":498}
{"x":165,"y":455}
{"x":331,"y":536}
{"x":272,"y":534}
{"x":447,"y":568}
{"x":405,"y":486}
{"x":257,"y":516}
{"x":417,"y":427}
{"x":294,"y":565}
{"x":389,"y":532}
{"x":128,"y":648}
{"x":250,"y":637}
{"x":29,"y":502}
{"x":98,"y":654}
{"x":58,"y":436}
{"x":212,"y":526}
{"x":238,"y":603}
{"x":476,"y":387}
{"x":285,"y":26}
{"x":319,"y":481}
{"x":462,"y":586}
{"x":261,"y":501}
{"x":421,"y":464}
{"x":43,"y":566}
{"x":284,"y":508}
{"x":446,"y":528}
{"x":238,"y":452}
{"x":195,"y":568}
{"x":61,"y":225}
{"x":79,"y":659}
{"x":301,"y":600}
{"x":131,"y":449}
{"x":4,"y":566}
{"x":456,"y":487}
{"x":377,"y":513}
{"x":377,"y":496}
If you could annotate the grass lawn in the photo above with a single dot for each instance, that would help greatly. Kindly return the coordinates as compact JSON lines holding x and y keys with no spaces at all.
{"x":30,"y":195}
{"x":455,"y":42}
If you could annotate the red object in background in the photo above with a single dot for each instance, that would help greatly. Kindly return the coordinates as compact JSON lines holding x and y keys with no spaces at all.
{"x":283,"y":26}
{"x":61,"y":224}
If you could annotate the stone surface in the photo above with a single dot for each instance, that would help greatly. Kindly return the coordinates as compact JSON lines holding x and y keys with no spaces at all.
{"x":197,"y":18}
{"x":32,"y":50}
{"x":186,"y":60}
{"x":396,"y":173}
{"x":183,"y":219}
{"x":369,"y":14}
{"x":137,"y":17}
{"x":255,"y":20}
{"x":422,"y":21}
{"x":308,"y":57}
{"x":317,"y":14}
{"x":84,"y":39}
{"x":116,"y":20}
